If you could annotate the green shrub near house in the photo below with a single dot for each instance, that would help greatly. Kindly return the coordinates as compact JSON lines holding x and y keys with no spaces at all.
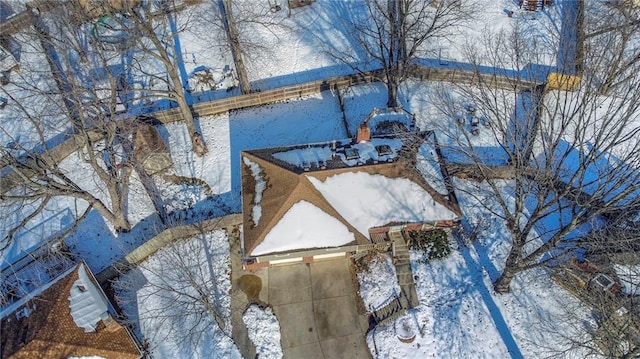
{"x":434,"y":243}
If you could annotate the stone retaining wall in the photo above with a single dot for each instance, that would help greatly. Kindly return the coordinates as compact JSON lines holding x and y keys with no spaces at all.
{"x":164,"y":238}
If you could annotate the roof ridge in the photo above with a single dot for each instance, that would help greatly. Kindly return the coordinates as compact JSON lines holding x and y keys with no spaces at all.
{"x":269,"y":218}
{"x":336,"y":214}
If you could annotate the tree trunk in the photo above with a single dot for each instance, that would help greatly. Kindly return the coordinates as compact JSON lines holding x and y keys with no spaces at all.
{"x":503,"y":284}
{"x":121,"y":222}
{"x":392,"y":100}
{"x":199,"y":147}
{"x":511,"y":268}
{"x":118,"y":218}
{"x":234,"y":42}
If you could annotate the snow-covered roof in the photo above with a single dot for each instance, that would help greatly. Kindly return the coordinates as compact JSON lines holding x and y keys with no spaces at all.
{"x":87,"y":304}
{"x":379,"y":149}
{"x":42,"y":326}
{"x":369,"y":200}
{"x":315,"y":196}
{"x":304,"y":226}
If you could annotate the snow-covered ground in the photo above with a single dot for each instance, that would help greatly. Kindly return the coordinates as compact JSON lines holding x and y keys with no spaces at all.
{"x":459,"y":315}
{"x":264,"y":331}
{"x":377,"y":281}
{"x":95,"y":232}
{"x":214,"y":167}
{"x":313,"y":119}
{"x":281,"y":54}
{"x":32,"y":116}
{"x":168,"y":299}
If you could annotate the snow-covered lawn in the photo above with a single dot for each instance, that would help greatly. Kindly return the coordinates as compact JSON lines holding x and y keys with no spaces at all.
{"x":460,"y":316}
{"x":95,"y":240}
{"x":312,"y":119}
{"x":168,"y":299}
{"x":27,"y":92}
{"x":303,"y":46}
{"x":359,"y":101}
{"x":489,"y":19}
{"x":310,"y":43}
{"x":214,"y":167}
{"x":377,"y":281}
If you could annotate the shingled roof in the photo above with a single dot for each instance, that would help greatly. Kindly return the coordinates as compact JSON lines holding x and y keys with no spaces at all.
{"x":286,"y":185}
{"x":43,"y":327}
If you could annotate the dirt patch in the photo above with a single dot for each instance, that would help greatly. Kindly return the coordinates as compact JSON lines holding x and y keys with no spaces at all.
{"x":251,"y":285}
{"x":354,"y":267}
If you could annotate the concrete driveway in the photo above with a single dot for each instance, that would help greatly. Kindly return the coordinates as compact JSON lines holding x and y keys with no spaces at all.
{"x":316,"y":306}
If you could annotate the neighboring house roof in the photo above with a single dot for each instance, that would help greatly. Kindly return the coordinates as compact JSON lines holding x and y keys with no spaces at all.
{"x":44,"y":327}
{"x":271,"y":186}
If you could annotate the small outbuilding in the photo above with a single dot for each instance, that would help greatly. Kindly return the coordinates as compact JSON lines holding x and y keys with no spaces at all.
{"x":150,"y":150}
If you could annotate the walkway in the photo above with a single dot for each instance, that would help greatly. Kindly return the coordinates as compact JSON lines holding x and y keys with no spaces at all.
{"x":408,"y":296}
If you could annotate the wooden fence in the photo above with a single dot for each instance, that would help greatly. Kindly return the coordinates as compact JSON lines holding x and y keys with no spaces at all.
{"x":314,"y":87}
{"x":9,"y":179}
{"x":268,"y":96}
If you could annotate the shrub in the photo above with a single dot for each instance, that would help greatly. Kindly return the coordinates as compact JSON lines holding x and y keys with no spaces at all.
{"x":434,"y":243}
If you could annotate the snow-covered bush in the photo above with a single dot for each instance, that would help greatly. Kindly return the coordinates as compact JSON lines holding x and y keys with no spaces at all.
{"x":264,"y":331}
{"x":434,"y":243}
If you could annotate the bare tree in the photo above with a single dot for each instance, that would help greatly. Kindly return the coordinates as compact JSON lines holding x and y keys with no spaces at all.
{"x":608,"y":30}
{"x":565,"y":162}
{"x":395,"y":32}
{"x":149,"y":46}
{"x":606,"y":279}
{"x":240,"y":27}
{"x":178,"y":294}
{"x":233,"y":38}
{"x":65,"y":101}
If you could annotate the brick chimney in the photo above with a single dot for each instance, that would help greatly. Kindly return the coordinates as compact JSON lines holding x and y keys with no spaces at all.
{"x":364,"y":134}
{"x":111,"y":325}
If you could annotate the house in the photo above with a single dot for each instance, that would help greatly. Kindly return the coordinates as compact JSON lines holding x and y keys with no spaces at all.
{"x":316,"y":201}
{"x":69,"y":317}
